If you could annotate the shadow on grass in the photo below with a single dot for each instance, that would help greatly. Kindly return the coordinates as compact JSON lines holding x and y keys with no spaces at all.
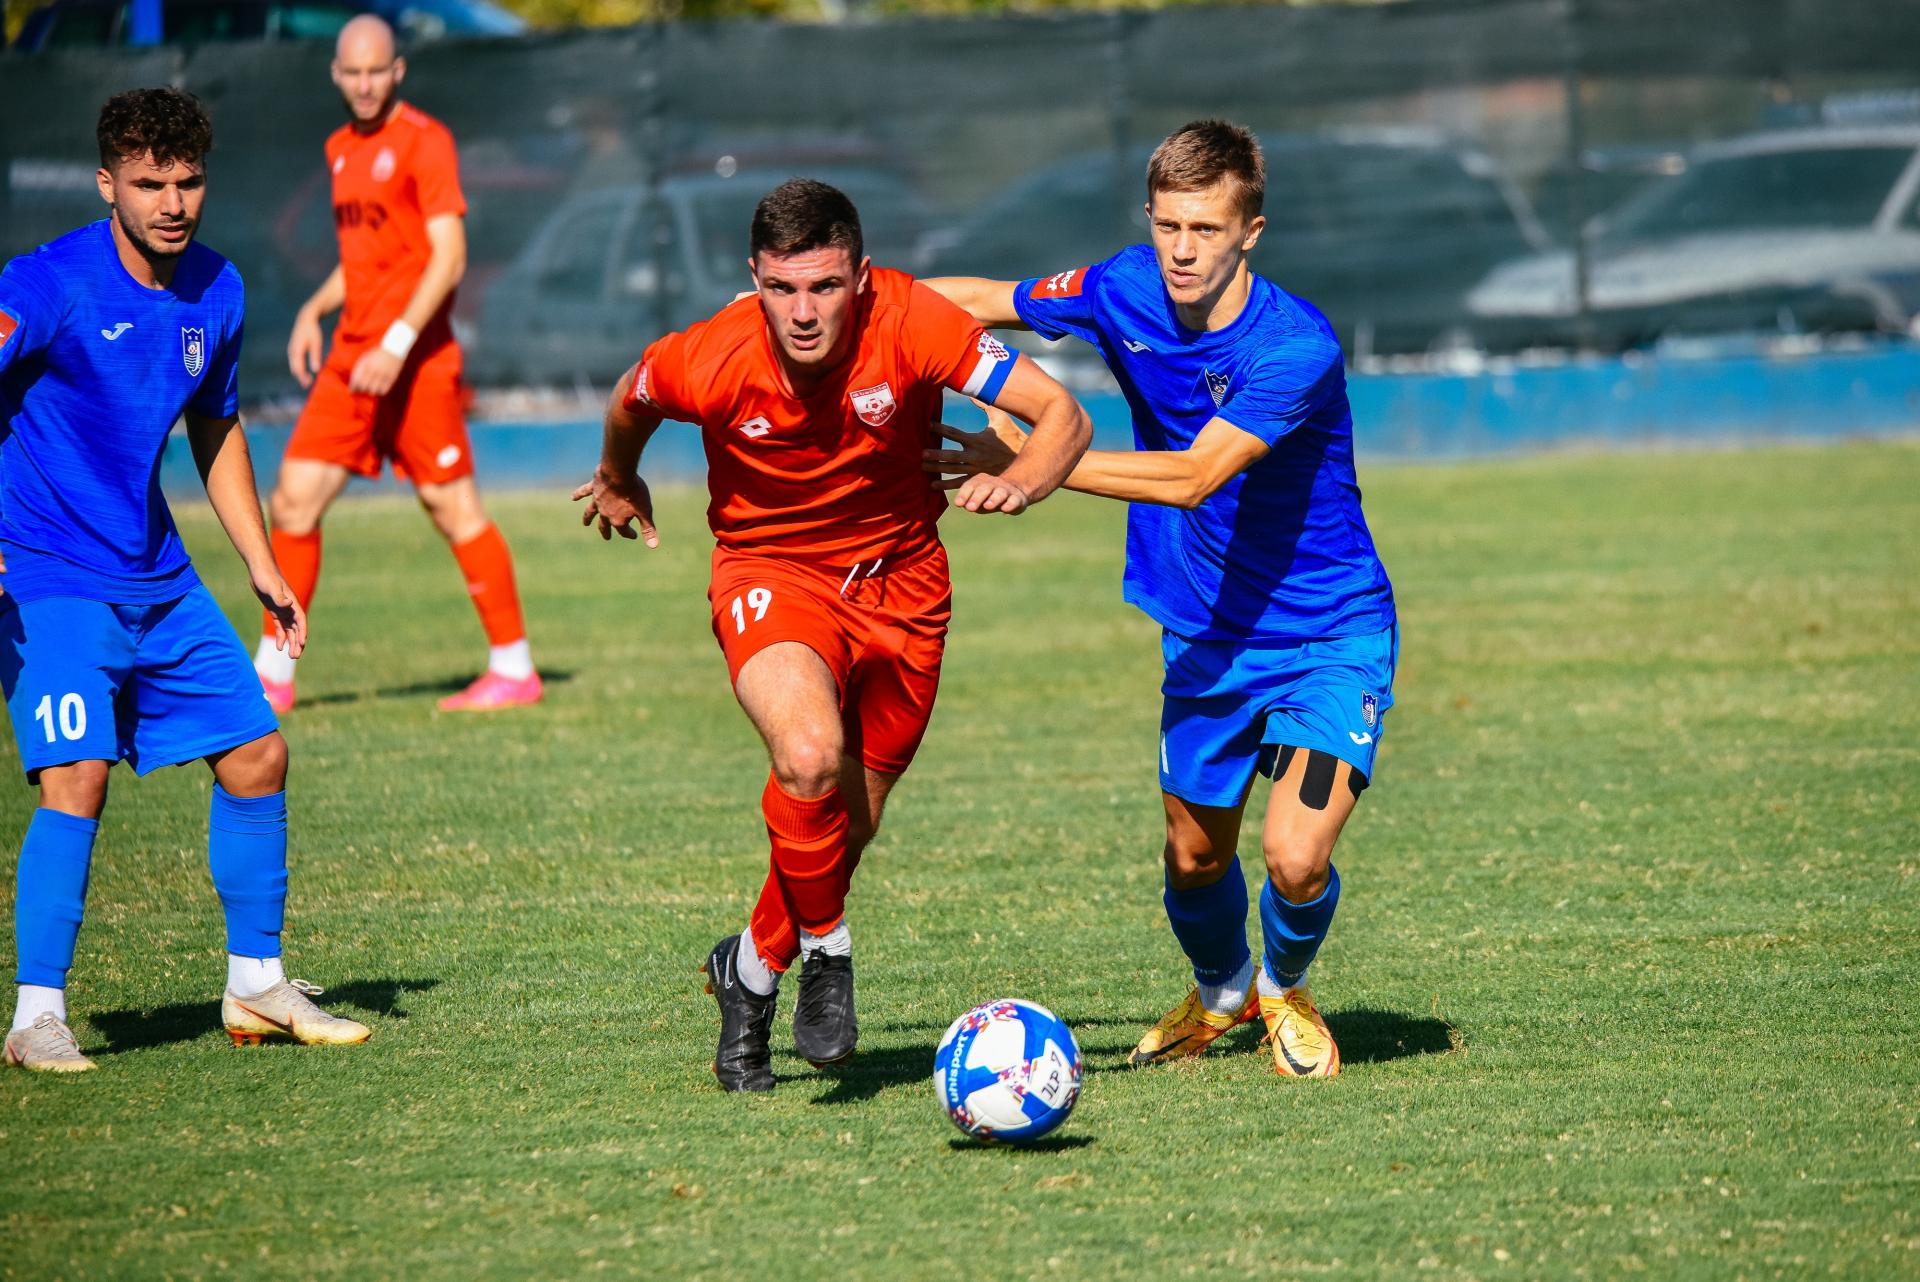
{"x":1046,"y":1144}
{"x":1369,"y":1036}
{"x":139,"y":1029}
{"x":442,"y":686}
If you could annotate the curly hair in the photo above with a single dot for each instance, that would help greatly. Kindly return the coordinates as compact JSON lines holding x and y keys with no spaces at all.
{"x":167,"y":124}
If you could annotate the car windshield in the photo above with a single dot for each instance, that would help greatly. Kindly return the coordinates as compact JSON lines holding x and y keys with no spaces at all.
{"x":1828,"y":187}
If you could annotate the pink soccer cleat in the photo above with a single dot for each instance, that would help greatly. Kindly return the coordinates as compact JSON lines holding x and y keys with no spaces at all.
{"x":493,"y":692}
{"x":279,"y":695}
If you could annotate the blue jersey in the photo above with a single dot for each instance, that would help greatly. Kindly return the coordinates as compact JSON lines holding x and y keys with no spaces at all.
{"x":94,"y":371}
{"x":1280,"y":552}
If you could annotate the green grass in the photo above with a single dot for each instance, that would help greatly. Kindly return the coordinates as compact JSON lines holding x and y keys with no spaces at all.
{"x":1624,"y":976}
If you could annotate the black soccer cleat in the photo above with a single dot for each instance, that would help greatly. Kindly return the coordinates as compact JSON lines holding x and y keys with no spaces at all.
{"x":824,"y":1029}
{"x":744,"y":1061}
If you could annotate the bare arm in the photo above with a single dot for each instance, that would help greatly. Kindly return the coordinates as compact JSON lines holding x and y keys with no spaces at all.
{"x":226,"y":469}
{"x":616,"y":496}
{"x":378,"y":370}
{"x":989,"y":302}
{"x":1061,"y":431}
{"x":306,"y":345}
{"x":1172,"y":478}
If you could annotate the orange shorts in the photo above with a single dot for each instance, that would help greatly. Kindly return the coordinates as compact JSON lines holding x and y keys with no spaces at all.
{"x":880,"y":629}
{"x":421,"y":424}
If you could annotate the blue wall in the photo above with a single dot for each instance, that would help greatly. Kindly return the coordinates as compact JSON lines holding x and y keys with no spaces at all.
{"x":1739,"y":398}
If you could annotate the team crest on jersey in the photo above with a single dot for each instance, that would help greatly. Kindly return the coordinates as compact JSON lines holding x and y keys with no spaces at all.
{"x":991,"y":346}
{"x":383,"y":165}
{"x":1369,"y":710}
{"x":874,"y":405}
{"x":1217,"y":386}
{"x":193,"y":350}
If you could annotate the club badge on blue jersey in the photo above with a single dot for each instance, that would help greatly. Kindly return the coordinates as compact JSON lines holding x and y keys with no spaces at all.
{"x":193,"y":350}
{"x":1369,"y":710}
{"x":1217,"y":387}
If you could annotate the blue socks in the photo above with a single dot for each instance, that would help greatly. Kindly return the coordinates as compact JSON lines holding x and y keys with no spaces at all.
{"x":1294,"y":931}
{"x":1211,"y":924}
{"x":247,"y":853}
{"x":51,"y":895}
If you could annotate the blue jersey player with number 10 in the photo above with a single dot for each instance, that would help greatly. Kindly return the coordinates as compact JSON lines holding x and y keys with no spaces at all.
{"x":1245,"y":541}
{"x":110,"y":648}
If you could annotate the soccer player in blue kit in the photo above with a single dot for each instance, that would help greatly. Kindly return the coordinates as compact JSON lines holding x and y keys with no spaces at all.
{"x":110,"y":647}
{"x":1246,"y":542}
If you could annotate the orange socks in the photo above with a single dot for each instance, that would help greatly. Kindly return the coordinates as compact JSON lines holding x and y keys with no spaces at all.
{"x":488,"y":567}
{"x":299,"y":558}
{"x":807,"y":889}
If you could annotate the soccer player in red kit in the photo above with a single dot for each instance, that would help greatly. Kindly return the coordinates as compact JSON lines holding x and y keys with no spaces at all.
{"x":391,"y":387}
{"x":830,"y":598}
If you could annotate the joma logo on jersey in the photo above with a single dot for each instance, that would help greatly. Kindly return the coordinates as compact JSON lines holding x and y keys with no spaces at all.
{"x":1063,"y":284}
{"x":874,"y":405}
{"x":193,"y":350}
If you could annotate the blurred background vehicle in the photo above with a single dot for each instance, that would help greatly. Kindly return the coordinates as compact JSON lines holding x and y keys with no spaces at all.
{"x":71,"y":24}
{"x":611,"y":269}
{"x":1811,"y":230}
{"x":1382,"y":229}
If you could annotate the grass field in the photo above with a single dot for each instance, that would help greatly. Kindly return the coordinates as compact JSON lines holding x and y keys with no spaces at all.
{"x":1624,"y":977}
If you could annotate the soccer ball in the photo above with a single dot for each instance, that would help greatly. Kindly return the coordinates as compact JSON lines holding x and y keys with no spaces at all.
{"x":1007,"y":1070}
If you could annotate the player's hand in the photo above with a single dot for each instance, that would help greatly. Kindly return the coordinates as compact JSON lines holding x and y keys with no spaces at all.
{"x":987,"y":493}
{"x":978,"y":454}
{"x":375,"y":373}
{"x":289,"y":620}
{"x":616,"y":502}
{"x":304,"y":348}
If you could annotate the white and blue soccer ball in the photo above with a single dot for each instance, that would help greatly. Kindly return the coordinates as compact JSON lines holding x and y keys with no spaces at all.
{"x":1007,"y":1070}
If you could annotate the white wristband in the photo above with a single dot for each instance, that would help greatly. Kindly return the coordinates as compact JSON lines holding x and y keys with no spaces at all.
{"x":399,"y":340}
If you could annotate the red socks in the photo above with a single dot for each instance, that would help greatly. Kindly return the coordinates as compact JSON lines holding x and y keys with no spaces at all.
{"x":488,"y":567}
{"x":807,"y":889}
{"x":299,"y":559}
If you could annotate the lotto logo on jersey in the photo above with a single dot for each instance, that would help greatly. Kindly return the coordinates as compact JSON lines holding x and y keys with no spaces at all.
{"x":874,"y":405}
{"x":193,"y":350}
{"x":7,"y":325}
{"x":1062,"y":284}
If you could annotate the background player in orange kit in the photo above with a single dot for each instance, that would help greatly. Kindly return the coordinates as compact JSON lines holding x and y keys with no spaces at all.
{"x":391,"y":387}
{"x":830,"y":595}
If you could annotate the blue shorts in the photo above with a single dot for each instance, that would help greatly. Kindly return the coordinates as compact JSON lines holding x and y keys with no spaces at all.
{"x":1229,"y":706}
{"x":159,"y":685}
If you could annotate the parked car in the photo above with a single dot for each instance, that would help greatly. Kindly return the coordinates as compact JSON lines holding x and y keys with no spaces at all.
{"x":611,"y":270}
{"x":1381,"y":229}
{"x":67,"y":24}
{"x":1813,"y":230}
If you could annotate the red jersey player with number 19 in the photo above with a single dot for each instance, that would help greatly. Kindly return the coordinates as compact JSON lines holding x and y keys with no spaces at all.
{"x":830,"y":595}
{"x":391,"y":387}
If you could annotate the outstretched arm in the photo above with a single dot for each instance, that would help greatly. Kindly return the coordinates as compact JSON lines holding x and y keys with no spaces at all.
{"x":989,"y":302}
{"x":226,"y":469}
{"x":616,"y":496}
{"x":1172,"y":478}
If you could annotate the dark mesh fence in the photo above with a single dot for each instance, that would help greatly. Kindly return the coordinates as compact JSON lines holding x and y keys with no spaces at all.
{"x":1446,"y":177}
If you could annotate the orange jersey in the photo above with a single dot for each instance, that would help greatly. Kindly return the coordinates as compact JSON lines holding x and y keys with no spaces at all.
{"x":834,"y":475}
{"x":386,"y":185}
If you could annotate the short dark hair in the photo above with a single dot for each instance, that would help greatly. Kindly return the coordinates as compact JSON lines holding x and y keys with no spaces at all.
{"x":168,"y":124}
{"x":802,"y":214}
{"x":1201,"y":153}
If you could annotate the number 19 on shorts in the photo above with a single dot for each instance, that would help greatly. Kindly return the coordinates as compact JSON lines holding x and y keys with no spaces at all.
{"x":71,"y":719}
{"x":756,"y":600}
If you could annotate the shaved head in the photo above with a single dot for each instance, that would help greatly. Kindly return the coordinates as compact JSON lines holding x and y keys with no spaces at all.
{"x":366,"y":37}
{"x":367,"y":69}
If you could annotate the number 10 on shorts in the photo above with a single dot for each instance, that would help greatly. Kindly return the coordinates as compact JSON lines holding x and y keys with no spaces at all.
{"x":756,"y":599}
{"x":72,"y":722}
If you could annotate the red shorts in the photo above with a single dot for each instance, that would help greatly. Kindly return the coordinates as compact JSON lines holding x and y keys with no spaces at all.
{"x":421,"y":424}
{"x":880,"y":629}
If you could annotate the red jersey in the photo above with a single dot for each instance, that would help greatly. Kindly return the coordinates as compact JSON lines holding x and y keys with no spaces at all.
{"x":386,"y":185}
{"x":834,"y":475}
